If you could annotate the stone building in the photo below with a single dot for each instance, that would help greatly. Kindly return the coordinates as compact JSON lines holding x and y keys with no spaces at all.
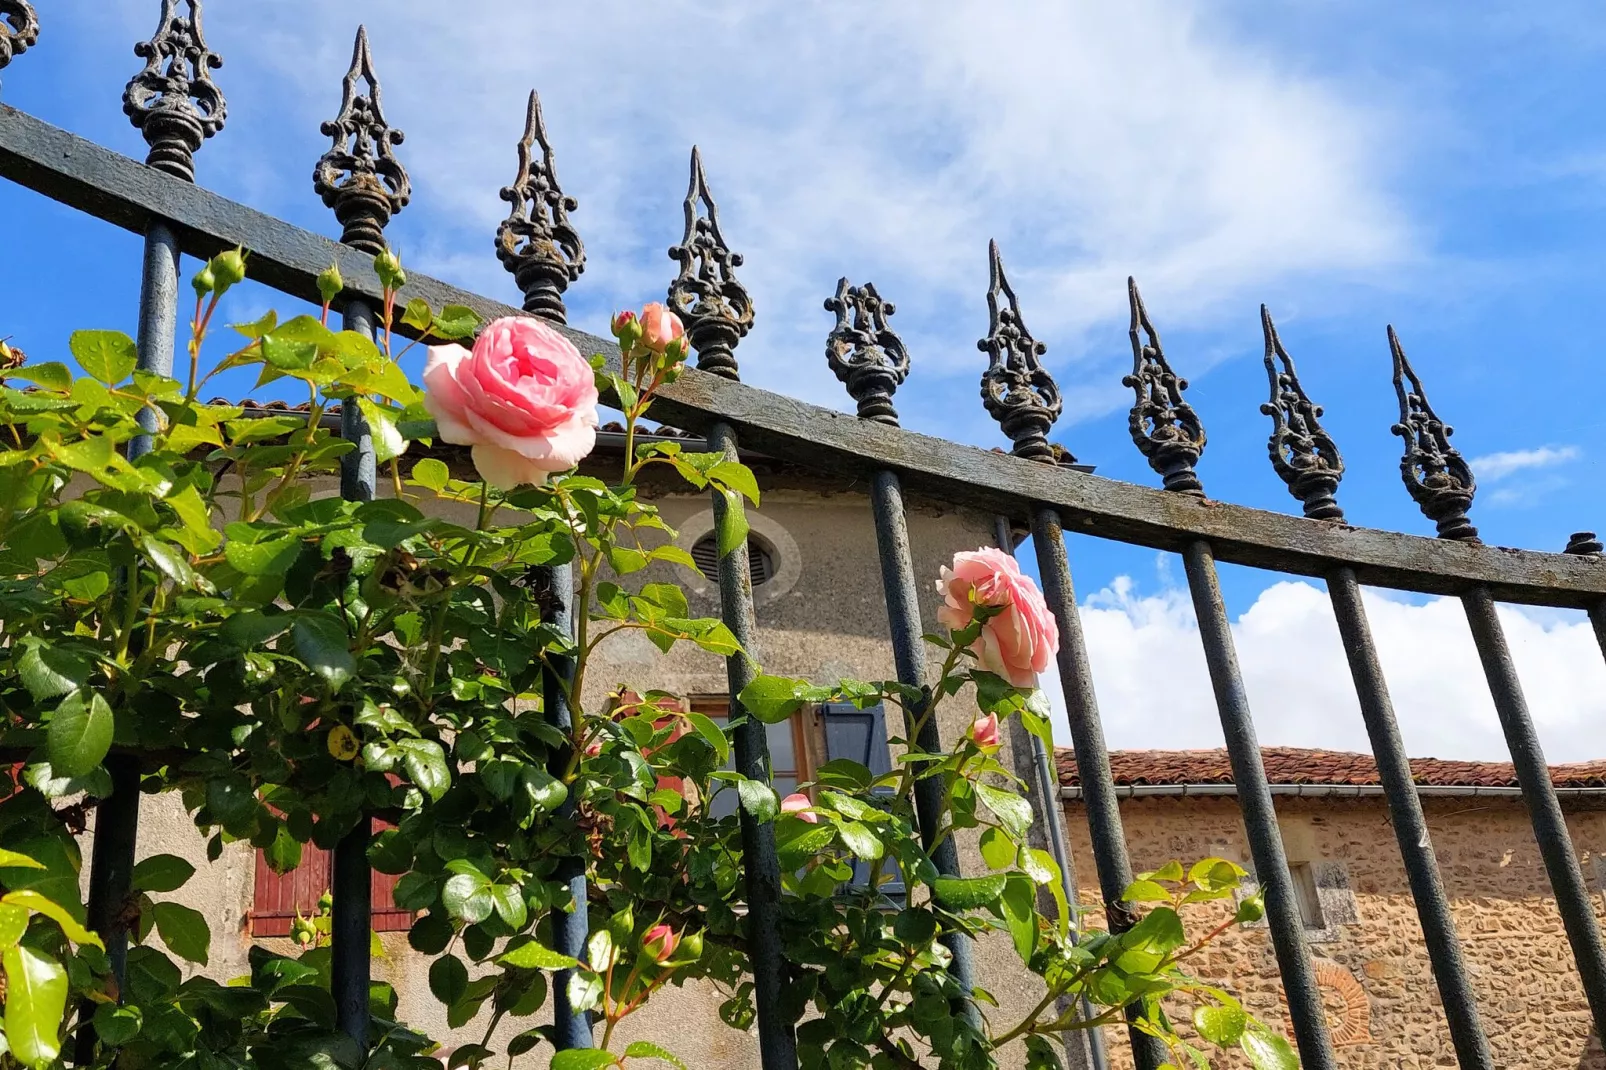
{"x":1372,"y":965}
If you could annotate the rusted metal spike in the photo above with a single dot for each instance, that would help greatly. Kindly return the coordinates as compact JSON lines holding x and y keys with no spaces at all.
{"x":1434,"y":471}
{"x":19,"y":29}
{"x":1164,"y":427}
{"x":864,"y":352}
{"x":360,"y":177}
{"x":536,"y":241}
{"x":1016,"y":389}
{"x":706,"y":295}
{"x":173,"y":101}
{"x":1302,"y":452}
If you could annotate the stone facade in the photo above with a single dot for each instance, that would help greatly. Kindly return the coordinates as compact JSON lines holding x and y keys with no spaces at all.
{"x":1372,"y":965}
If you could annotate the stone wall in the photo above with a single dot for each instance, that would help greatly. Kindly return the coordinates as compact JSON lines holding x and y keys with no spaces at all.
{"x":1374,"y":972}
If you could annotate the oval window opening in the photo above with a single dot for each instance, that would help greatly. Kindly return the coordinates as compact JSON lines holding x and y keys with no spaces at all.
{"x":760,"y":559}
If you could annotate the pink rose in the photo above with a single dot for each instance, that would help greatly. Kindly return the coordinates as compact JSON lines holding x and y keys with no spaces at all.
{"x":660,"y":942}
{"x":660,"y":327}
{"x":524,"y":399}
{"x":984,"y":730}
{"x":800,"y":804}
{"x":1017,"y":642}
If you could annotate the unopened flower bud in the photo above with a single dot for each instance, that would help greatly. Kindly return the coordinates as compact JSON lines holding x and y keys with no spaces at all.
{"x":387,"y":265}
{"x":660,"y":327}
{"x":11,"y":357}
{"x":228,"y":268}
{"x":330,"y":283}
{"x":984,"y":731}
{"x":801,"y":805}
{"x":659,"y":943}
{"x":675,"y":352}
{"x":203,"y":281}
{"x":627,"y":328}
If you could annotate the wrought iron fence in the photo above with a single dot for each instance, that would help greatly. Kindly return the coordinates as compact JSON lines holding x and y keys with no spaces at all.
{"x":176,"y":106}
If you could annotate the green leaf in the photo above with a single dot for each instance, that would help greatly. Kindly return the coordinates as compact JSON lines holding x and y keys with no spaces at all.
{"x":170,"y":561}
{"x":1216,"y":874}
{"x":117,"y":1025}
{"x":417,"y":314}
{"x":425,"y":763}
{"x":645,"y":1049}
{"x":270,"y":557}
{"x":17,"y":860}
{"x":1171,"y":871}
{"x":772,"y":699}
{"x":860,"y":840}
{"x":448,"y":978}
{"x":456,"y":321}
{"x":1146,"y":892}
{"x":969,"y":893}
{"x":287,"y":355}
{"x":758,"y":799}
{"x":91,"y":455}
{"x":997,"y":849}
{"x":13,"y":924}
{"x":109,"y":356}
{"x":80,"y":734}
{"x":52,"y":375}
{"x":50,"y":671}
{"x":510,"y":905}
{"x":1019,"y":904}
{"x":737,"y":477}
{"x":1014,"y":811}
{"x":733,"y":525}
{"x":666,"y":595}
{"x":39,"y":903}
{"x":36,"y":999}
{"x":431,"y":473}
{"x":161,"y":873}
{"x":584,"y":1059}
{"x":322,"y":643}
{"x":532,"y":956}
{"x":1222,"y":1026}
{"x":708,"y":730}
{"x":184,"y":931}
{"x":1267,"y":1050}
{"x":467,"y":896}
{"x":388,"y":441}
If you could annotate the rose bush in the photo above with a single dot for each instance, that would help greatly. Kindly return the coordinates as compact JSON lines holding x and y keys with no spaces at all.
{"x":291,"y":667}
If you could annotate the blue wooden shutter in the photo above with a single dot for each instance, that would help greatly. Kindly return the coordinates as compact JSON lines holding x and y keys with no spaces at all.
{"x":861,"y":736}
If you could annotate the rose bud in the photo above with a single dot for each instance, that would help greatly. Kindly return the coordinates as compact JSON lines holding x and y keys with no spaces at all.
{"x":203,"y":281}
{"x":627,"y":328}
{"x":228,"y":268}
{"x":984,"y":731}
{"x":330,"y":283}
{"x":388,"y":267}
{"x":800,"y":804}
{"x":659,"y":942}
{"x":659,"y":327}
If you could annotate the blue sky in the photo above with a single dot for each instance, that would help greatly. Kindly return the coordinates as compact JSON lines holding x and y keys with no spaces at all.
{"x":1439,"y":167}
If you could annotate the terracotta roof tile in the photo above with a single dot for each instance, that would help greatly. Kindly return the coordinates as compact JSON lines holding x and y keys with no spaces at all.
{"x":1302,"y":765}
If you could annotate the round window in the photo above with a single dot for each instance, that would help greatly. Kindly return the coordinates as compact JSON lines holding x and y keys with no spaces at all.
{"x":760,"y":559}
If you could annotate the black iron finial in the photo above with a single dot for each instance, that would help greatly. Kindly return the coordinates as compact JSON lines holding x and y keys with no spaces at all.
{"x":19,"y":29}
{"x":536,"y":242}
{"x":714,"y":307}
{"x":1016,"y":389}
{"x":1164,"y":427}
{"x":1584,"y":543}
{"x":360,"y":177}
{"x":1302,"y":452}
{"x":1434,"y":471}
{"x":173,"y":101}
{"x":864,"y":352}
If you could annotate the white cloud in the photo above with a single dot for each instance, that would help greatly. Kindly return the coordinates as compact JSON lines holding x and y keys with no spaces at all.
{"x":1153,"y":689}
{"x":1493,"y":467}
{"x":885,"y":141}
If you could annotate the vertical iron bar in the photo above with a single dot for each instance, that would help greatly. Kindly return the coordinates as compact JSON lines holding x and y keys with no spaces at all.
{"x":761,"y":869}
{"x":1260,"y":816}
{"x":1544,"y":810}
{"x":1410,"y":825}
{"x":350,"y":923}
{"x":908,"y":651}
{"x":569,"y":928}
{"x":1597,"y":617}
{"x":111,"y":866}
{"x":1092,"y":756}
{"x":1083,"y":1048}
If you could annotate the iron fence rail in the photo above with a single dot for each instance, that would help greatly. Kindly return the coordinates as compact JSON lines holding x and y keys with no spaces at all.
{"x":176,"y":106}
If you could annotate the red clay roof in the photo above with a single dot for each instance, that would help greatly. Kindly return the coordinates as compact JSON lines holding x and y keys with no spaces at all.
{"x":1303,"y":765}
